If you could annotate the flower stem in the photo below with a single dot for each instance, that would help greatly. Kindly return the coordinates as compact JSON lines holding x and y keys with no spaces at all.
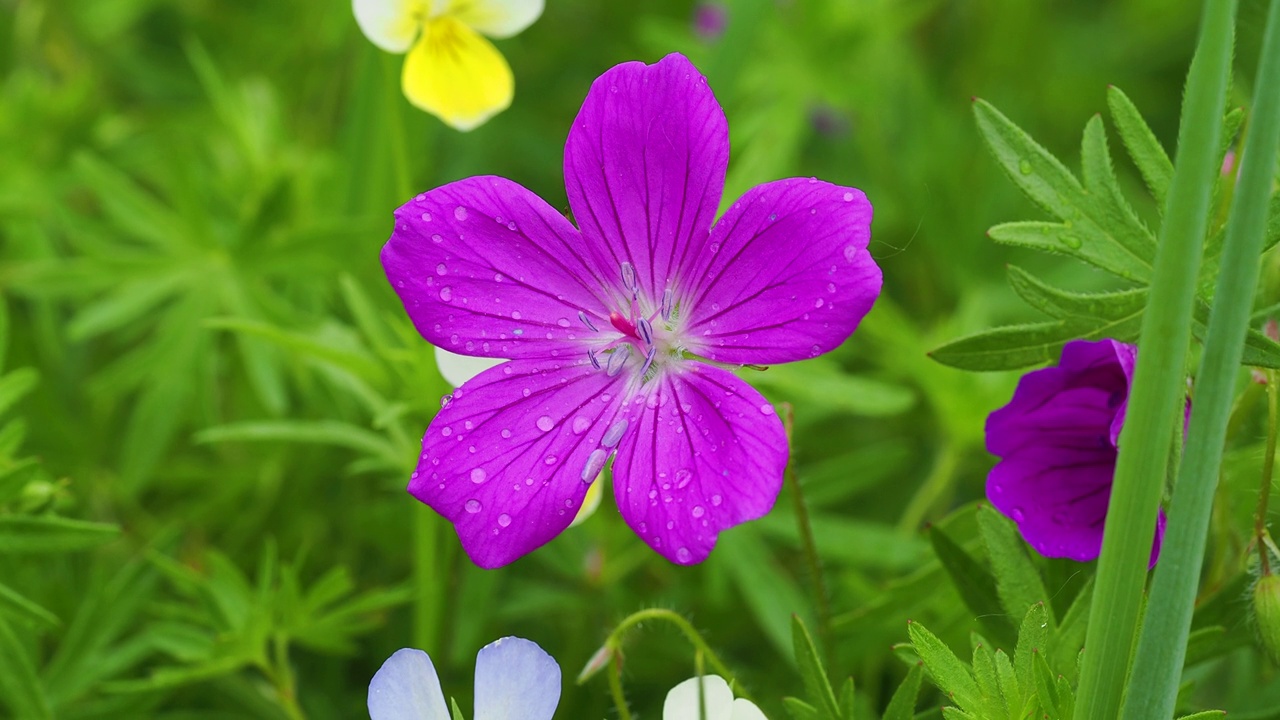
{"x":282,"y":676}
{"x":1162,"y":646}
{"x":1158,"y":387}
{"x":821,"y":598}
{"x":695,"y":638}
{"x":1268,"y":465}
{"x":615,"y":687}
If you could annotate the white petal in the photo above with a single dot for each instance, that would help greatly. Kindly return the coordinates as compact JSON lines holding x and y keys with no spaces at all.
{"x":746,"y":710}
{"x":496,"y":18}
{"x":682,"y":701}
{"x":390,"y":24}
{"x":457,"y":369}
{"x":516,"y":680}
{"x":406,"y":688}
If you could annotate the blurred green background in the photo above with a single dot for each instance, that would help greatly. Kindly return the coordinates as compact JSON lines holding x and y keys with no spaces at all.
{"x":193,"y":195}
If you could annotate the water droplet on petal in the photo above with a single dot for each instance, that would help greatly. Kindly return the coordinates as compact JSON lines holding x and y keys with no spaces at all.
{"x":563,"y":322}
{"x":848,"y":197}
{"x":819,"y":303}
{"x":460,"y":213}
{"x":446,"y":294}
{"x":766,"y":409}
{"x":426,"y":217}
{"x":472,"y":506}
{"x":504,"y":519}
{"x":699,"y":511}
{"x":716,"y":500}
{"x":580,"y":425}
{"x":441,"y":269}
{"x":545,"y":423}
{"x":446,"y":431}
{"x":515,"y":314}
{"x":683,"y":477}
{"x":683,"y":555}
{"x":437,"y":239}
{"x":549,"y":460}
{"x":477,"y":476}
{"x":506,"y":432}
{"x":850,"y":253}
{"x":1017,"y":514}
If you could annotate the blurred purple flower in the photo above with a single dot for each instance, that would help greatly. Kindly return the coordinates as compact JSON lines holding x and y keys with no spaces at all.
{"x":710,"y":20}
{"x":620,"y":329}
{"x":1056,"y":440}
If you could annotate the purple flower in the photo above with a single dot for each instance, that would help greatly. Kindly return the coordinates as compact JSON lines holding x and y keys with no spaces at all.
{"x":1057,"y":443}
{"x":619,"y":331}
{"x":710,"y":20}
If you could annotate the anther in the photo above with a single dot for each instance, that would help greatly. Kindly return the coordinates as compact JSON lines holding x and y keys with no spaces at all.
{"x":629,"y":276}
{"x":648,"y":360}
{"x":595,"y":362}
{"x":645,"y":330}
{"x":668,"y":304}
{"x":582,"y":315}
{"x":617,"y":359}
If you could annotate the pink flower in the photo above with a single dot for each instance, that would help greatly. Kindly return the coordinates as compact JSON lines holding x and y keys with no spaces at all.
{"x":619,"y":331}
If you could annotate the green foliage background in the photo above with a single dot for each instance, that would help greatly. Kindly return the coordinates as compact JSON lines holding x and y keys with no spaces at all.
{"x":193,"y":195}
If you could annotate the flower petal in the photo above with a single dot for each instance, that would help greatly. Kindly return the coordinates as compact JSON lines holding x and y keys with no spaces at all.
{"x":1057,"y":496}
{"x":455,"y":74}
{"x":390,"y":24}
{"x":746,"y":710}
{"x":485,"y":267}
{"x":406,"y":688}
{"x":516,"y":680}
{"x":705,"y":452}
{"x":683,"y":703}
{"x":457,"y":369}
{"x":505,"y":459}
{"x":644,"y":169}
{"x":496,"y":18}
{"x":787,"y":275}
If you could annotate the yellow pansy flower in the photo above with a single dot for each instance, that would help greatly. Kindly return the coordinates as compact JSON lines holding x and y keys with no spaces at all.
{"x":451,"y":70}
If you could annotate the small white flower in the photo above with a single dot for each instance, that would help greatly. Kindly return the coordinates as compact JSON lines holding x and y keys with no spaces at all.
{"x":682,"y":702}
{"x":515,"y":680}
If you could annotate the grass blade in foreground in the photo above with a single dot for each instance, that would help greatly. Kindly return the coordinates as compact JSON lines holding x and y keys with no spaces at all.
{"x":1157,"y":382}
{"x":1163,"y":643}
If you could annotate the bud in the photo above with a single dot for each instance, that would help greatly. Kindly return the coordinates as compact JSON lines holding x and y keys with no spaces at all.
{"x":1266,"y":613}
{"x":598,"y":662}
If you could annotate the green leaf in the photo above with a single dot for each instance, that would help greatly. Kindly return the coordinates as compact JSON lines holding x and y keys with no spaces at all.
{"x":16,"y":384}
{"x":1088,"y":231}
{"x":847,"y":708}
{"x":994,"y":705}
{"x":130,"y":301}
{"x":948,"y":671}
{"x":1205,"y":715}
{"x":976,"y":585}
{"x":20,"y":687}
{"x":23,"y":610}
{"x":1060,"y":303}
{"x":822,"y":382}
{"x":321,"y":432}
{"x":902,"y":704}
{"x":1018,"y":346}
{"x":454,"y":711}
{"x":812,"y":673}
{"x":1033,"y":637}
{"x":771,"y":595}
{"x":47,"y":534}
{"x":1017,"y":581}
{"x":800,"y":710}
{"x":1069,"y":636}
{"x":1009,"y":687}
{"x":1147,"y":153}
{"x":1046,"y":687}
{"x":1113,"y":211}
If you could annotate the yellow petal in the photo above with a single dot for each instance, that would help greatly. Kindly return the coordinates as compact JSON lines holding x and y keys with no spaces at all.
{"x":455,"y":74}
{"x":390,"y":24}
{"x":495,"y":18}
{"x":590,"y":502}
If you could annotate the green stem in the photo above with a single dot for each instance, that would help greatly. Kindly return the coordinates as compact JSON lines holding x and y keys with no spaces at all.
{"x":821,"y":597}
{"x":282,"y":676}
{"x":615,"y":687}
{"x":1268,"y":466}
{"x":695,"y":638}
{"x":1158,"y":388}
{"x":1162,"y":646}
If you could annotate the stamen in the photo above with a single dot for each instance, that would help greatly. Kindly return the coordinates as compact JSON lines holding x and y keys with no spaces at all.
{"x":629,"y":276}
{"x":645,"y":330}
{"x":582,"y":315}
{"x":648,"y":360}
{"x":668,"y":304}
{"x":595,"y":362}
{"x":617,"y":359}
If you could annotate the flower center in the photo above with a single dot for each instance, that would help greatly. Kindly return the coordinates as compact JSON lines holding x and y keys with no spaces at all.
{"x":637,"y":336}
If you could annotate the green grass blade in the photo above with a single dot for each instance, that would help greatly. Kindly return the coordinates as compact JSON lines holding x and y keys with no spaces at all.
{"x":1158,"y":379}
{"x":1163,"y":642}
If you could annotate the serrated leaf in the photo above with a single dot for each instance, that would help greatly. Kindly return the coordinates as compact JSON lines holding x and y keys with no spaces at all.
{"x":1081,"y":242}
{"x":816,"y":684}
{"x":1009,"y":688}
{"x":1113,"y":211}
{"x":1046,"y":687}
{"x":1060,"y":303}
{"x":1088,"y":231}
{"x":1033,"y":636}
{"x":46,"y":534}
{"x":1147,"y":153}
{"x":976,"y":585}
{"x":1017,"y":581}
{"x":131,"y":208}
{"x":847,"y":708}
{"x":1015,"y":347}
{"x":124,"y":304}
{"x":984,"y":672}
{"x":1069,"y":636}
{"x":948,"y":671}
{"x":21,"y":689}
{"x":1066,"y":697}
{"x":903,"y":703}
